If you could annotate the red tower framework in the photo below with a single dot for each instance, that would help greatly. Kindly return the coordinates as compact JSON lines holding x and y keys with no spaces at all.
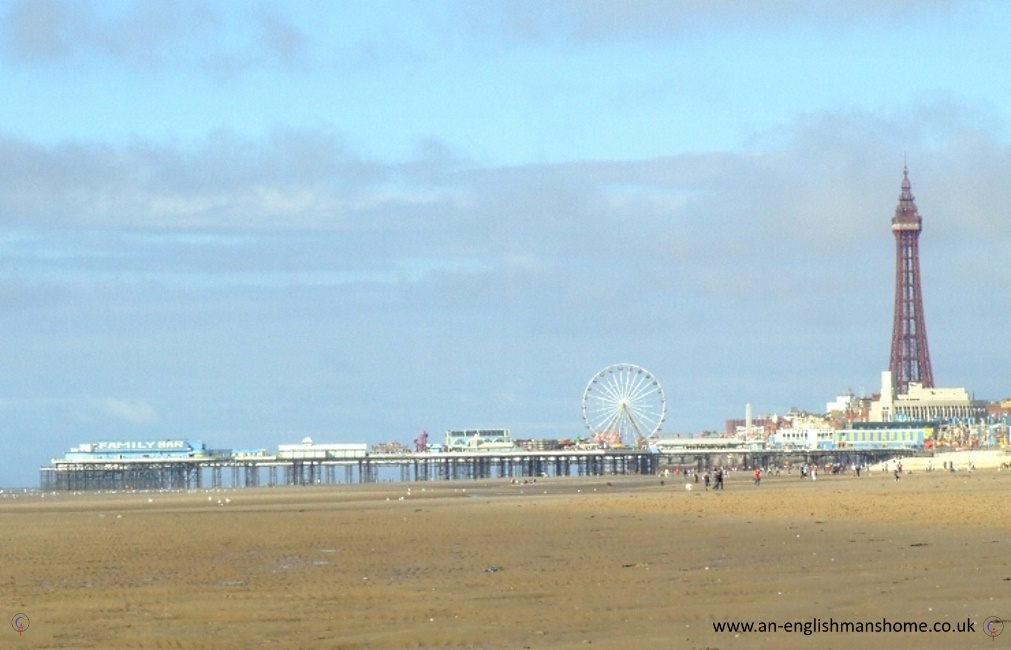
{"x":910,"y":357}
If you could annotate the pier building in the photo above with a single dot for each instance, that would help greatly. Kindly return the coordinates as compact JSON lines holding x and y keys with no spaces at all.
{"x":479,"y":440}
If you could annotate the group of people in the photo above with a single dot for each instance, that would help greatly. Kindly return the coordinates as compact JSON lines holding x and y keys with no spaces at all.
{"x":715,"y":478}
{"x":711,"y":478}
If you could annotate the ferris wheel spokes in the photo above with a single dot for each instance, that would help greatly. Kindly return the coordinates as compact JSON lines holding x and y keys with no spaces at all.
{"x":624,"y":404}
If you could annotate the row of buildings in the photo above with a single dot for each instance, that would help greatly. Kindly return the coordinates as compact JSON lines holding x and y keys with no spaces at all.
{"x":920,"y":417}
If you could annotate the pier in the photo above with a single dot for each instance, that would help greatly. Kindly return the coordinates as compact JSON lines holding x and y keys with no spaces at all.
{"x":196,"y":473}
{"x":220,"y":470}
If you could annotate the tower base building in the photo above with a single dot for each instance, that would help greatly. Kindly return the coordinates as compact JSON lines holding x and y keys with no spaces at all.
{"x":925,"y":404}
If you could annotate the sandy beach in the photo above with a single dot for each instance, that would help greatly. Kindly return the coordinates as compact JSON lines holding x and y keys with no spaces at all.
{"x":603,"y":562}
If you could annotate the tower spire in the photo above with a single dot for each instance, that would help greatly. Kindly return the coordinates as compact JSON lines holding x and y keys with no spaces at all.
{"x":910,"y":358}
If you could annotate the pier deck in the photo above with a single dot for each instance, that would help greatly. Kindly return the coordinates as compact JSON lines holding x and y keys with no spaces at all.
{"x":219,"y":471}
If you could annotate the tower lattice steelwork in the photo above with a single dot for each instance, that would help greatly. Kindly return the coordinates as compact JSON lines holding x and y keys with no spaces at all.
{"x":910,"y":360}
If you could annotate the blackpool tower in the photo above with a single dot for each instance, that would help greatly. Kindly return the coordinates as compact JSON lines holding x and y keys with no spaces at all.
{"x":910,"y":360}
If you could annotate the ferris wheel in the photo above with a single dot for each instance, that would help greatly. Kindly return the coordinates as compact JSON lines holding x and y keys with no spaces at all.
{"x":623,"y":405}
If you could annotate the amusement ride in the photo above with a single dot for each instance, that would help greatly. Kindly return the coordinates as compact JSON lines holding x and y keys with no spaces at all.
{"x":624,"y":406}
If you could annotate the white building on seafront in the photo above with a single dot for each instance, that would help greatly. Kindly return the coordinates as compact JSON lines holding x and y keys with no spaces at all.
{"x":925,"y":404}
{"x":804,"y":437}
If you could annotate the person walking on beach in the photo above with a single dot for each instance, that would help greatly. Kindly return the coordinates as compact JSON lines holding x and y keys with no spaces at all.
{"x":758,"y":476}
{"x":707,"y":478}
{"x":719,"y":479}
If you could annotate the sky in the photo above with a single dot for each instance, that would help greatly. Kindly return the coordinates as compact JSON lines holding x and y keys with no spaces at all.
{"x":248,"y":223}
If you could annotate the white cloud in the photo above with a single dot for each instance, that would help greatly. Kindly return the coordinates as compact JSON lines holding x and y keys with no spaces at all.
{"x":597,"y":20}
{"x":151,"y":35}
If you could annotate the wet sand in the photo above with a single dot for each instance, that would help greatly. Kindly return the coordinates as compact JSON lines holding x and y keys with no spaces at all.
{"x":563,"y":563}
